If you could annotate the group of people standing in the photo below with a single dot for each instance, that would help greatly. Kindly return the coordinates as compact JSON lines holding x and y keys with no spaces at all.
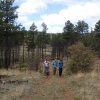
{"x":57,"y":64}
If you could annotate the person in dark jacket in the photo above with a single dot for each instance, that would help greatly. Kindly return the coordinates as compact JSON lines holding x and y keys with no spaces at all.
{"x":60,"y":65}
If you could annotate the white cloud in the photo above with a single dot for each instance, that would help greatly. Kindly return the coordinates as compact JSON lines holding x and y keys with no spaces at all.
{"x":87,"y":11}
{"x":25,"y":21}
{"x":27,"y":8}
{"x":61,"y":0}
{"x":81,"y":12}
{"x":55,"y":29}
{"x":31,"y":6}
{"x":53,"y":19}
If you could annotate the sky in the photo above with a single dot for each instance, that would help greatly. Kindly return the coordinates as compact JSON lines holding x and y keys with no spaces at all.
{"x":54,"y":13}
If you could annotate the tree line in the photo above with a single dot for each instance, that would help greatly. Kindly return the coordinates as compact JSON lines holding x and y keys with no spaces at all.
{"x":16,"y":41}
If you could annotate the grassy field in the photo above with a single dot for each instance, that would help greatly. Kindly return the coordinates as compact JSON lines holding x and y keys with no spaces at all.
{"x":86,"y":86}
{"x":29,"y":85}
{"x":35,"y":86}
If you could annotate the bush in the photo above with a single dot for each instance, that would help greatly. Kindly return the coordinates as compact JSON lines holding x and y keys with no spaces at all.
{"x":81,"y":58}
{"x":22,"y":66}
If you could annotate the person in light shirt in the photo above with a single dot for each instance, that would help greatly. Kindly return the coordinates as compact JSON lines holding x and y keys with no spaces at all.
{"x":46,"y":67}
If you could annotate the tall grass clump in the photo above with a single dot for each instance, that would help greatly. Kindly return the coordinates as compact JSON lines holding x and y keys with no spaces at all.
{"x":81,"y":58}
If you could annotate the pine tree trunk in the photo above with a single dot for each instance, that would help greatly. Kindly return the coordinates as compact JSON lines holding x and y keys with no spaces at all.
{"x":6,"y":51}
{"x":0,"y":59}
{"x":13,"y":56}
{"x":42,"y":51}
{"x":23,"y":53}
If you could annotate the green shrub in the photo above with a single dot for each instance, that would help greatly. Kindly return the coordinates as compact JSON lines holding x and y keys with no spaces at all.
{"x":77,"y":98}
{"x":23,"y":66}
{"x":81,"y":58}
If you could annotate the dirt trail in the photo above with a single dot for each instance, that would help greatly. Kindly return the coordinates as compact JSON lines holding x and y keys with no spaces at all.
{"x":68,"y":91}
{"x":51,"y":88}
{"x":68,"y":94}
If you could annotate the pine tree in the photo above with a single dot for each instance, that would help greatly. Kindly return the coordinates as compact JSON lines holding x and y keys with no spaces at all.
{"x":7,"y":26}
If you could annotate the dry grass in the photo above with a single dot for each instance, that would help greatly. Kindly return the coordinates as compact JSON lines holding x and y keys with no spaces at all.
{"x":9,"y":72}
{"x":86,"y":86}
{"x":11,"y":91}
{"x":81,"y":86}
{"x":38,"y":87}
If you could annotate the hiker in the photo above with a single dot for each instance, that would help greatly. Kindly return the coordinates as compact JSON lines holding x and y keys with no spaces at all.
{"x":60,"y":65}
{"x":46,"y":67}
{"x":54,"y":65}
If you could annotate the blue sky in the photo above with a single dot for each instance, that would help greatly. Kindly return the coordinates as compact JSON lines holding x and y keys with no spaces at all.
{"x":56,"y":12}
